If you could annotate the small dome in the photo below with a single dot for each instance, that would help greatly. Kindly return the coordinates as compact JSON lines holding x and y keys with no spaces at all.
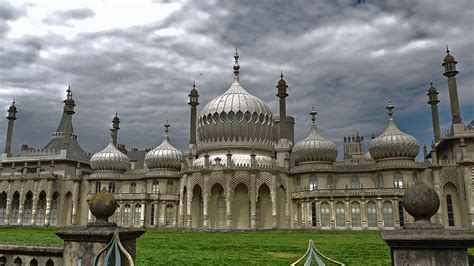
{"x":393,"y":143}
{"x":165,"y":155}
{"x":110,"y":159}
{"x":314,"y":148}
{"x":448,"y":58}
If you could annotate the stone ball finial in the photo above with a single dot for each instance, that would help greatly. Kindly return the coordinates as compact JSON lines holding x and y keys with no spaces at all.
{"x":102,"y":205}
{"x":421,"y":202}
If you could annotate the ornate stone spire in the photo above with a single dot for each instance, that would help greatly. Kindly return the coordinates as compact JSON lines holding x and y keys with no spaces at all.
{"x":11,"y":118}
{"x":433,"y":101}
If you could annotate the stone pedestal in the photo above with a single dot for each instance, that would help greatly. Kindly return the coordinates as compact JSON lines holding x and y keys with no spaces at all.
{"x":82,"y":244}
{"x":428,"y":247}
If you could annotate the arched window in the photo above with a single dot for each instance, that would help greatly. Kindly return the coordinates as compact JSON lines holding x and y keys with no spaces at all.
{"x":325,"y":215}
{"x":3,"y":207}
{"x":340,"y":214}
{"x":127,"y":215}
{"x":112,"y":187}
{"x":15,"y":208}
{"x":388,"y":214}
{"x":97,"y":187}
{"x":400,"y":213}
{"x":449,"y":205}
{"x":398,"y":180}
{"x":138,"y":215}
{"x":298,"y":183}
{"x":445,"y":159}
{"x":330,"y":182}
{"x":41,"y":208}
{"x":27,"y":207}
{"x":355,"y":182}
{"x":169,"y":186}
{"x":356,"y":216}
{"x":3,"y":261}
{"x":17,"y":261}
{"x":380,"y":181}
{"x":53,"y":215}
{"x":169,"y":214}
{"x":313,"y":214}
{"x":313,"y":182}
{"x":33,"y":262}
{"x":49,"y":263}
{"x":133,"y":187}
{"x":372,"y":214}
{"x":152,"y":214}
{"x":155,"y":188}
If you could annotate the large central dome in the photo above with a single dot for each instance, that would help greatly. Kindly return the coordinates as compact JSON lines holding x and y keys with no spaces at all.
{"x":236,"y":116}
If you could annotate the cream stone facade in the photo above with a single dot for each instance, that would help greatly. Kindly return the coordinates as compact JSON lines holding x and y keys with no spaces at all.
{"x":244,"y":171}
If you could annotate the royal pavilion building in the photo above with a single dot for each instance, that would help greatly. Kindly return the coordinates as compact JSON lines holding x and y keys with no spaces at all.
{"x":244,"y":170}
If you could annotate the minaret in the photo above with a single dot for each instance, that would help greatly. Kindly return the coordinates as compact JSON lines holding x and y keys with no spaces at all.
{"x":282,"y":94}
{"x":69,"y":110}
{"x":115,"y":128}
{"x":11,"y":120}
{"x":450,"y":72}
{"x":193,"y":102}
{"x":433,"y":101}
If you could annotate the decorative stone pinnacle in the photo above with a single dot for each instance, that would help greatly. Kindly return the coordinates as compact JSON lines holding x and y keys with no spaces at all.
{"x":390,"y":108}
{"x":447,"y":49}
{"x":236,"y":63}
{"x":167,"y":126}
{"x":313,"y":114}
{"x":281,"y":75}
{"x":102,"y":205}
{"x":421,"y":202}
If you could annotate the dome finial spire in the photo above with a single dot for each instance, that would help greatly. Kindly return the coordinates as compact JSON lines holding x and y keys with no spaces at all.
{"x":313,"y":114}
{"x":390,"y":108}
{"x":281,"y":75}
{"x":167,"y":128}
{"x":447,"y":49}
{"x":236,"y":63}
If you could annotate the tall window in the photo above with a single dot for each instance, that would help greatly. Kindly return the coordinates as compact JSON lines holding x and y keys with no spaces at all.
{"x":313,"y":213}
{"x":15,"y":208}
{"x":355,"y":212}
{"x":325,"y":214}
{"x":97,"y":187}
{"x":53,"y":214}
{"x":133,"y":187}
{"x":330,"y":182}
{"x":169,"y":214}
{"x":126,"y":215}
{"x":27,"y":206}
{"x":112,"y":187}
{"x":388,"y":214}
{"x":372,"y":214}
{"x":380,"y":181}
{"x":340,"y":214}
{"x":400,"y":213}
{"x":398,"y":180}
{"x":3,"y":207}
{"x":169,"y":186}
{"x":41,"y":208}
{"x":313,"y":182}
{"x":449,"y":204}
{"x":155,"y":188}
{"x":298,"y":183}
{"x":138,"y":215}
{"x":355,"y":182}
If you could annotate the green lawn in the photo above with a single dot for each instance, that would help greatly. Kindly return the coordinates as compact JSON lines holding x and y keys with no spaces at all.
{"x":175,"y":247}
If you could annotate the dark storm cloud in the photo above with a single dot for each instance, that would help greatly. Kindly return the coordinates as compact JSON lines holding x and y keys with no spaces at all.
{"x":345,"y":59}
{"x":64,"y":17}
{"x":9,"y":13}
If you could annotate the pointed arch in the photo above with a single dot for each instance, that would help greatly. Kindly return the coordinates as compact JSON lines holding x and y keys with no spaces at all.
{"x":66,"y":209}
{"x":3,"y":206}
{"x":53,"y":213}
{"x":197,"y":205}
{"x":241,"y":206}
{"x":264,"y":207}
{"x":450,"y":203}
{"x":15,"y":208}
{"x":33,"y":262}
{"x":216,"y":206}
{"x":27,"y":207}
{"x":388,"y":214}
{"x":281,"y":207}
{"x":41,"y":208}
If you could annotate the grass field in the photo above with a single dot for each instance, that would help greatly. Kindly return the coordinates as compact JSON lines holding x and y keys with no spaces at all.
{"x":175,"y":247}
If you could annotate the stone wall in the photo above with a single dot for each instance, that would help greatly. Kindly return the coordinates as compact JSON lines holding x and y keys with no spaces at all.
{"x":28,"y":254}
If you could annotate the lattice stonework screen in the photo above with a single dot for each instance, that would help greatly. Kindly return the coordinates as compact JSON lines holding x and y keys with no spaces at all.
{"x":449,"y":174}
{"x":217,"y":177}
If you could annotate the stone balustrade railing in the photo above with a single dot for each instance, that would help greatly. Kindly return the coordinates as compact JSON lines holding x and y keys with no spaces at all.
{"x":350,"y":192}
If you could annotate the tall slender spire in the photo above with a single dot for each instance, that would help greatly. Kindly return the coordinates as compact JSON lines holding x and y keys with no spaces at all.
{"x":282,"y":94}
{"x":69,"y":111}
{"x":449,"y":64}
{"x":390,"y":108}
{"x":11,"y":118}
{"x":167,"y":129}
{"x":193,"y":102}
{"x":115,"y":128}
{"x":433,"y":101}
{"x":236,"y":63}
{"x":313,"y":114}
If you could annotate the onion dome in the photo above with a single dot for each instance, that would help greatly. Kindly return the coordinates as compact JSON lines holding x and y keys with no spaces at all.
{"x":448,"y":58}
{"x":110,"y":159}
{"x":314,"y":148}
{"x":165,"y":155}
{"x":235,"y":115}
{"x":393,"y":143}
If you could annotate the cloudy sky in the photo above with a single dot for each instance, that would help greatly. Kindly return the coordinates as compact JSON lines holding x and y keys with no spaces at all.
{"x":140,"y":58}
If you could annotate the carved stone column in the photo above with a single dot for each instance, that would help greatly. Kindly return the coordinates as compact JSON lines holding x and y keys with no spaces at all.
{"x":142,"y":214}
{"x":228,"y":198}
{"x":49,"y":198}
{"x":363,"y":213}
{"x":333,"y":213}
{"x":253,"y":200}
{"x":188,"y":203}
{"x":34,"y":203}
{"x":205,"y":199}
{"x":182,"y":200}
{"x":162,"y":214}
{"x":155,"y":218}
{"x":9,"y":203}
{"x":380,"y":213}
{"x":348,"y":214}
{"x":273,"y":194}
{"x":22,"y":200}
{"x":318,"y":213}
